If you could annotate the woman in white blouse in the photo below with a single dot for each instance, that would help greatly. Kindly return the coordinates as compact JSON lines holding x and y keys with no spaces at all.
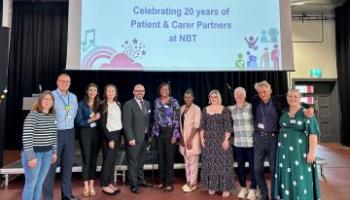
{"x":111,"y":124}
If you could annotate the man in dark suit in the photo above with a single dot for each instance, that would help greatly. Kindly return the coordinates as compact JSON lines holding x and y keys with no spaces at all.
{"x":136,"y":118}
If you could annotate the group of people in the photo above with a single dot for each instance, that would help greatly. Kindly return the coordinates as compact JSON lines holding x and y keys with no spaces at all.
{"x":280,"y":129}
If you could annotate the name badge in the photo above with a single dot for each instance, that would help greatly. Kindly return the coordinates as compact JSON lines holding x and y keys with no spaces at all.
{"x":166,"y":106}
{"x":261,"y":125}
{"x":93,"y":124}
{"x":69,"y":116}
{"x":292,"y":121}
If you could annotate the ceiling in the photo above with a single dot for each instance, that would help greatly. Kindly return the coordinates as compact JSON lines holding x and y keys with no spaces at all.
{"x":315,"y":7}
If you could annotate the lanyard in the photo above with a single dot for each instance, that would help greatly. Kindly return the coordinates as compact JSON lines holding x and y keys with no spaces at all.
{"x":67,"y":108}
{"x":263,"y":111}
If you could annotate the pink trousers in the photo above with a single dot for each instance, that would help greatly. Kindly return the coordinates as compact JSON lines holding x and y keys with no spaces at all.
{"x":191,"y":166}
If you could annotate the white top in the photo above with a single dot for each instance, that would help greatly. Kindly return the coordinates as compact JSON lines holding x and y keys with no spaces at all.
{"x":114,"y":117}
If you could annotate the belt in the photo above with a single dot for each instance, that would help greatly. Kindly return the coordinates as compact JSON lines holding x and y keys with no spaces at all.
{"x":262,"y":133}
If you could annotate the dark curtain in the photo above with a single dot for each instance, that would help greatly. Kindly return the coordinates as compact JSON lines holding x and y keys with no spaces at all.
{"x":38,"y":55}
{"x":1,"y":11}
{"x":343,"y":67}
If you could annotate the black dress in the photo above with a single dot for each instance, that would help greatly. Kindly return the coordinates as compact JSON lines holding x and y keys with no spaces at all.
{"x":217,"y":171}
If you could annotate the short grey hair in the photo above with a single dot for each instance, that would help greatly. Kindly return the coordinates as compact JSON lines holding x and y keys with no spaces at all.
{"x":240,"y":90}
{"x":293,"y":90}
{"x":261,"y":84}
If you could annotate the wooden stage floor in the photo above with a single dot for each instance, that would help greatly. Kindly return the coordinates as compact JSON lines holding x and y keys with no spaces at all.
{"x":335,"y":185}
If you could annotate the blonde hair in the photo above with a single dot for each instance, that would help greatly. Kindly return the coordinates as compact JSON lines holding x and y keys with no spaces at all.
{"x":261,"y":84}
{"x":217,"y":93}
{"x":38,"y":107}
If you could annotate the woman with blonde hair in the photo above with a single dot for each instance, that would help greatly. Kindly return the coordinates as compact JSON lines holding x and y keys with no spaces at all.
{"x":39,"y":145}
{"x":217,"y":172}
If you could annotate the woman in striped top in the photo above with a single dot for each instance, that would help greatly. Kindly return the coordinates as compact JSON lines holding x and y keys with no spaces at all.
{"x":39,"y":145}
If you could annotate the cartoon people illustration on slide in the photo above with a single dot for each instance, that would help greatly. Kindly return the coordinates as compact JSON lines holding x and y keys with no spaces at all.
{"x":275,"y":53}
{"x":251,"y":63}
{"x":263,"y":37}
{"x":273,"y":33}
{"x":239,"y":63}
{"x":265,"y":59}
{"x":252,"y":42}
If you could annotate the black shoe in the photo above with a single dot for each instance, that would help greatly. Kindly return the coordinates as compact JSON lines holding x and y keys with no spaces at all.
{"x":70,"y":198}
{"x":145,"y":184}
{"x":135,"y":190}
{"x":109,"y":193}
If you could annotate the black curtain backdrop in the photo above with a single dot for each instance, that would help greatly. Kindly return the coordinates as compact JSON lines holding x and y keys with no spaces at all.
{"x":343,"y":67}
{"x":38,"y":55}
{"x":1,"y":11}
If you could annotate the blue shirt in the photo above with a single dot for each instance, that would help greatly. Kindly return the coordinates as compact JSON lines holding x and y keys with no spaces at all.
{"x":66,"y":109}
{"x":266,"y":114}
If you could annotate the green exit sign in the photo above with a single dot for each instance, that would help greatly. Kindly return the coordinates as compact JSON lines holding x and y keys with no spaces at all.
{"x":315,"y":73}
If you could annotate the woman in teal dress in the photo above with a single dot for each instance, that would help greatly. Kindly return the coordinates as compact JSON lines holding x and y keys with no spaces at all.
{"x":296,"y":172}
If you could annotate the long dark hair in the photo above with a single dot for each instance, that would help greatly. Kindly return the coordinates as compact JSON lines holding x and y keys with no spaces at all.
{"x":105,"y":102}
{"x":96,"y":104}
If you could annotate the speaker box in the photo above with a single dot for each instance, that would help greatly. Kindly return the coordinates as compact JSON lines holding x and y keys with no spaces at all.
{"x":4,"y":58}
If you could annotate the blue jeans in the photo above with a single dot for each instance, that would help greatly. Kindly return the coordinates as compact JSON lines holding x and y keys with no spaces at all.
{"x":241,"y":155}
{"x":65,"y":159}
{"x":264,"y":146}
{"x":34,"y":177}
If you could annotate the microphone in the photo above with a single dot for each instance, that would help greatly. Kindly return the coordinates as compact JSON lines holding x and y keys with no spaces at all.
{"x":40,"y":88}
{"x":228,"y":86}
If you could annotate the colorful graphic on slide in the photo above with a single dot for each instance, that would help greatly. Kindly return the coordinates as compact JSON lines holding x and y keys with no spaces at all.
{"x":107,"y":58}
{"x":182,"y":35}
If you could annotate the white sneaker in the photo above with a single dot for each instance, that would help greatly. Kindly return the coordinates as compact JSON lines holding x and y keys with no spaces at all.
{"x":185,"y":186}
{"x":252,"y":194}
{"x":190,"y":188}
{"x":242,"y":193}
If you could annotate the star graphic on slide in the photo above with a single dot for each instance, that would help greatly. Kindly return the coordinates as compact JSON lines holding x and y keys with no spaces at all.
{"x":134,"y":41}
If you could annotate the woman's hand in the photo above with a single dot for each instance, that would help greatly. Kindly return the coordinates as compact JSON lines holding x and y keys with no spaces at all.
{"x":173,"y":140}
{"x":311,"y":157}
{"x":53,"y":158}
{"x":225,"y":145}
{"x":32,"y":163}
{"x":97,"y":116}
{"x":111,"y":144}
{"x":203,"y":142}
{"x":189,"y":144}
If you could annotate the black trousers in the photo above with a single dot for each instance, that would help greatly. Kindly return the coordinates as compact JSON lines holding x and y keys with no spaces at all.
{"x":90,"y":146}
{"x":109,"y":159}
{"x":136,"y":156}
{"x":166,"y":151}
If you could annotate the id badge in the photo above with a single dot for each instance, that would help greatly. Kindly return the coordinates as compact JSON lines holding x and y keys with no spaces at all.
{"x":292,"y":121}
{"x":69,"y":116}
{"x":93,"y":124}
{"x":261,"y":125}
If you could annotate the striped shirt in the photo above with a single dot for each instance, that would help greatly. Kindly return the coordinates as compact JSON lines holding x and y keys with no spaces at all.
{"x":243,"y":126}
{"x":39,"y":133}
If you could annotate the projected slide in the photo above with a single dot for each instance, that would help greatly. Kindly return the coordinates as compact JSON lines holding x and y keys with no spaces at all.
{"x":181,"y":35}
